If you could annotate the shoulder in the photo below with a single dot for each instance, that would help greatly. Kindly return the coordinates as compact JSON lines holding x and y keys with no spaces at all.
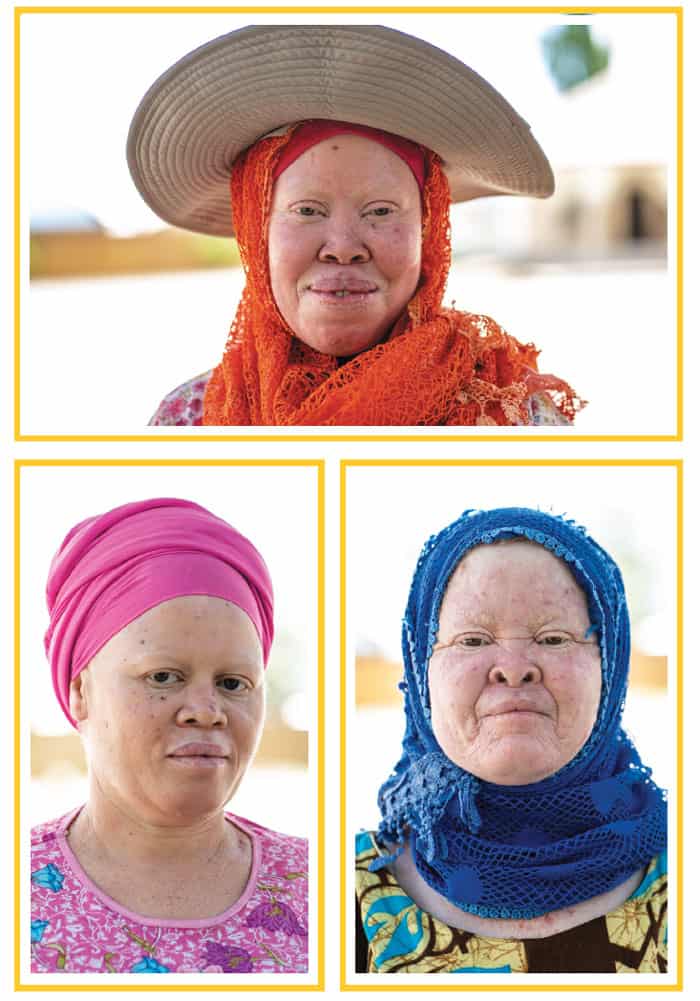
{"x":654,"y":884}
{"x":52,"y":873}
{"x":45,"y":837}
{"x":276,"y":848}
{"x":366,"y":846}
{"x":637,"y":931}
{"x":375,"y":882}
{"x":46,"y":831}
{"x":183,"y":406}
{"x":544,"y":413}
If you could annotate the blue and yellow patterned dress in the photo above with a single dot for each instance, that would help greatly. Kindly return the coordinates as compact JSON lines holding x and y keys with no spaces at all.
{"x":394,"y":935}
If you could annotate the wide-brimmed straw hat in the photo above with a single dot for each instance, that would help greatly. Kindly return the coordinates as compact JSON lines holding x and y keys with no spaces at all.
{"x":219,"y":99}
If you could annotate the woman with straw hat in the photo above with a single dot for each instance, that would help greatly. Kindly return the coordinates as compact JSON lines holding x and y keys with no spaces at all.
{"x":333,"y":153}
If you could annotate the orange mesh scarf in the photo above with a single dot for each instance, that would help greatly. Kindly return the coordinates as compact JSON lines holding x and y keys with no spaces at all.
{"x":437,"y":366}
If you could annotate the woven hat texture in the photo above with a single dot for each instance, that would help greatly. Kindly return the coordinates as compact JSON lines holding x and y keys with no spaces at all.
{"x":218,"y":100}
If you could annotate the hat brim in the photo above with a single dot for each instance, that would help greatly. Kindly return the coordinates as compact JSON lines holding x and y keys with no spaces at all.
{"x":219,"y":99}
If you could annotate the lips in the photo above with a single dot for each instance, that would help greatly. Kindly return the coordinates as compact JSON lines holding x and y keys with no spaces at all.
{"x":342,"y":287}
{"x":198,"y":749}
{"x":514,"y":706}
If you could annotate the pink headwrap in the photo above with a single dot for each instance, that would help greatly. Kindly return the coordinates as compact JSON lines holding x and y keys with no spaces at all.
{"x":114,"y":567}
{"x":316,"y":130}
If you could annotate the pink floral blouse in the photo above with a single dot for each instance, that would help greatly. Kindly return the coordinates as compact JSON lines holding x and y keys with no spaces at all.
{"x":183,"y":407}
{"x":76,"y":928}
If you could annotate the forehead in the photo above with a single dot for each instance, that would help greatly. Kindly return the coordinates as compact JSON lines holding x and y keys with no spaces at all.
{"x":352,"y":159}
{"x":511,"y":575}
{"x":192,"y":626}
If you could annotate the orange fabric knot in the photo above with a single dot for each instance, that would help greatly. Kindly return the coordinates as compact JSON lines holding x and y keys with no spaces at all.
{"x":437,"y":366}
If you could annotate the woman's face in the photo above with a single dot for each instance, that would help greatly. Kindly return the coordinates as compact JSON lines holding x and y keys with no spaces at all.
{"x":344,"y":243}
{"x":514,"y":685}
{"x":171,"y":710}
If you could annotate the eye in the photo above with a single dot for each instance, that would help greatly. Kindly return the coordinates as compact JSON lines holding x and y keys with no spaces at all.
{"x":380,"y":211}
{"x":163,"y":678}
{"x":473,"y":641}
{"x":233,"y":685}
{"x":554,"y":639}
{"x":307,"y":211}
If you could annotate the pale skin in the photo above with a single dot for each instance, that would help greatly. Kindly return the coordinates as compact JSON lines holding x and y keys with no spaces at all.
{"x":514,"y":683}
{"x":344,"y":244}
{"x":170,"y":711}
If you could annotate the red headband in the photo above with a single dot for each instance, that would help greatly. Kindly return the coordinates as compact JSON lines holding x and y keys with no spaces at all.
{"x":310,"y":133}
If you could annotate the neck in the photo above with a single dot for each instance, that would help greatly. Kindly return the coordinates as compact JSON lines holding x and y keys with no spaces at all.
{"x":428,"y":899}
{"x":192,"y":871}
{"x":116,"y":833}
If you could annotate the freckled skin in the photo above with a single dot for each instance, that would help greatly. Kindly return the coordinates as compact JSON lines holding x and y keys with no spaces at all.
{"x":157,"y":685}
{"x":512,"y":591}
{"x":347,"y":206}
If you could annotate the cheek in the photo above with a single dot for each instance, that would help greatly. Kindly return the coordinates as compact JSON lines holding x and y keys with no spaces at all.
{"x":454,"y":691}
{"x":576,"y":688}
{"x":247,"y":718}
{"x":401,"y":252}
{"x":133,"y":722}
{"x":290,"y":251}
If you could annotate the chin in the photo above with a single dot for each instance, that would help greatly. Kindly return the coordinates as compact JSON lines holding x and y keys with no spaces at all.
{"x":340,"y":343}
{"x":521,"y":773}
{"x":515,"y":765}
{"x":341,"y":338}
{"x":195,"y":802}
{"x":191,"y":810}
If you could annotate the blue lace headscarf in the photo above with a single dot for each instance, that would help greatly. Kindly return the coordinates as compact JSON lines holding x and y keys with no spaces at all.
{"x":521,"y":851}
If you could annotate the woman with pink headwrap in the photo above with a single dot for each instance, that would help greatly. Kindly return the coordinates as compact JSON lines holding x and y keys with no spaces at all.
{"x":161,"y":622}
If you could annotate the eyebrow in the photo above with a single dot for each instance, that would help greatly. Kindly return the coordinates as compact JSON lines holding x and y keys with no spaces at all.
{"x":170,"y":661}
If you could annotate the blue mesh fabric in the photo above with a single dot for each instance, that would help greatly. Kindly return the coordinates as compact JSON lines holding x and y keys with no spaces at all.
{"x":522,"y":851}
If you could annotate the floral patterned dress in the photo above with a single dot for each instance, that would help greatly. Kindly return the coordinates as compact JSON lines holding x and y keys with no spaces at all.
{"x":183,"y":407}
{"x":393,"y":934}
{"x":78,"y":929}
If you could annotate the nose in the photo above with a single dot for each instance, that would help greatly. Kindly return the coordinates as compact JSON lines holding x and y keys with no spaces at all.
{"x":201,"y":707}
{"x":513,"y":668}
{"x":343,"y":244}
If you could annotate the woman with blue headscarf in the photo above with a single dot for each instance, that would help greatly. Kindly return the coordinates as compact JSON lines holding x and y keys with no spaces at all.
{"x":520,"y":832}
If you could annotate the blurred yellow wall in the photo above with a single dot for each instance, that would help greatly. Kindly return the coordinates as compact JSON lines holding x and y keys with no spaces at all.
{"x":79,"y":254}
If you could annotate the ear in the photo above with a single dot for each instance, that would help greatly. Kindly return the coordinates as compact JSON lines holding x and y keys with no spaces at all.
{"x":77,"y":698}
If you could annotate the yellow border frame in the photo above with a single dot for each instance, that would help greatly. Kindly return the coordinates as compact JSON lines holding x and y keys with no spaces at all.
{"x":551,"y":9}
{"x":252,"y":984}
{"x":402,"y":984}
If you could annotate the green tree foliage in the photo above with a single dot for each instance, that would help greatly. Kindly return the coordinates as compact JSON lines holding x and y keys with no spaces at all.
{"x":572,"y":55}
